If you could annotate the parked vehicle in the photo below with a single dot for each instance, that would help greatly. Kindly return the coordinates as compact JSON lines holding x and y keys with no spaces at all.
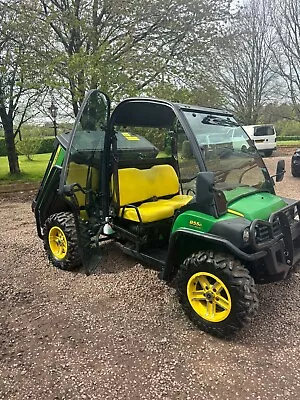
{"x":203,"y":212}
{"x":295,"y":163}
{"x":263,"y":136}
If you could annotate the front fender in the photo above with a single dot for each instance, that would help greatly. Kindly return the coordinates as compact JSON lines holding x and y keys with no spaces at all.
{"x":177,"y":253}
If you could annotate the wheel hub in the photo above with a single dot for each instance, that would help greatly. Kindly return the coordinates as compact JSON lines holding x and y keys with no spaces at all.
{"x":57,"y":242}
{"x":209,"y":296}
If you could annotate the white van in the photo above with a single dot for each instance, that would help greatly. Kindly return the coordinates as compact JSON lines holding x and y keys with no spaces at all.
{"x":263,"y":136}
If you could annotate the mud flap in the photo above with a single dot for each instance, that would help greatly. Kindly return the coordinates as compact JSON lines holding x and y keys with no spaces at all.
{"x":89,"y":249}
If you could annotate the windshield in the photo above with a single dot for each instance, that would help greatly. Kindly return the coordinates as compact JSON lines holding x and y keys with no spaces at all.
{"x":229,"y":153}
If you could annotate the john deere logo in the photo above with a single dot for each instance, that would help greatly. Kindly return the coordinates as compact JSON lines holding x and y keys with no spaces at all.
{"x":196,"y":223}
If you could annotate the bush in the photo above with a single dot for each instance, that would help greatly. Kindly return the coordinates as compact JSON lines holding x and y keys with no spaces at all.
{"x":285,"y":138}
{"x":30,"y":141}
{"x":45,"y":146}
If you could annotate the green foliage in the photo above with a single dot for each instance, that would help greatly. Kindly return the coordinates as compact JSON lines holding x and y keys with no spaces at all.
{"x":287,"y":138}
{"x":30,"y":141}
{"x":124,"y":48}
{"x":287,"y":127}
{"x":45,"y":146}
{"x":205,"y":94}
{"x":186,"y":150}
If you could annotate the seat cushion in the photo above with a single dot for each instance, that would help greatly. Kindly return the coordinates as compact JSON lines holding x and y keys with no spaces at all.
{"x":149,"y":212}
{"x":177,"y":201}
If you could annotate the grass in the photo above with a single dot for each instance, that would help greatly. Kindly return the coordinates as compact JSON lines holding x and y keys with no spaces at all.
{"x":292,"y":143}
{"x":31,"y":171}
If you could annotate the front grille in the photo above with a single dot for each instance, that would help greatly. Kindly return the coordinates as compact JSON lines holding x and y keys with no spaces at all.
{"x":279,"y":225}
{"x":290,"y":214}
{"x":267,"y":231}
{"x":262,"y":234}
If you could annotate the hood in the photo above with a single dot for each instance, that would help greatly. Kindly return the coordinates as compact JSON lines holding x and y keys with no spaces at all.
{"x":257,"y":205}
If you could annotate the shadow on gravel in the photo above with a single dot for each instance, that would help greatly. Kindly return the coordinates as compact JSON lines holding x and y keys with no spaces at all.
{"x":112,"y":261}
{"x":277,"y":320}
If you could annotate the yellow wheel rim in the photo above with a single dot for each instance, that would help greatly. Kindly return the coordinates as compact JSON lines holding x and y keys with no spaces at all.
{"x":209,"y":297}
{"x":58,"y":242}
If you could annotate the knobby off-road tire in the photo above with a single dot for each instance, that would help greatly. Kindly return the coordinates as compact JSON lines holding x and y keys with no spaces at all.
{"x":295,"y":174}
{"x":268,"y":153}
{"x":217,"y":293}
{"x":60,"y":241}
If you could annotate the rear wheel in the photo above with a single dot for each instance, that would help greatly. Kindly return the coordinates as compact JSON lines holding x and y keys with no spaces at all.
{"x":268,"y":153}
{"x":60,"y":241}
{"x":217,"y":293}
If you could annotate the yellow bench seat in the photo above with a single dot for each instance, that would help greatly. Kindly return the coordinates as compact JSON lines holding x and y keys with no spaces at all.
{"x":149,"y":187}
{"x":149,"y":212}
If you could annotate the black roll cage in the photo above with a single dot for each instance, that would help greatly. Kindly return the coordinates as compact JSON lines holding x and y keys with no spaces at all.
{"x":129,"y":112}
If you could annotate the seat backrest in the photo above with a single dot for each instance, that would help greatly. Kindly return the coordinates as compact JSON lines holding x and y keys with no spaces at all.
{"x":134,"y":185}
{"x":165,"y":180}
{"x":138,"y":185}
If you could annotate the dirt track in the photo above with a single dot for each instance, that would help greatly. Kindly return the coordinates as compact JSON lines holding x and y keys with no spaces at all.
{"x":121,"y":334}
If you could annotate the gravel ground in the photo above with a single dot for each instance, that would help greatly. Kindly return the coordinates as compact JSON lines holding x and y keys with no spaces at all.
{"x":121,"y":334}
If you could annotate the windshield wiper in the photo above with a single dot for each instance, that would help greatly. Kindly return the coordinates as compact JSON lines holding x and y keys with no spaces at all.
{"x":213,"y":120}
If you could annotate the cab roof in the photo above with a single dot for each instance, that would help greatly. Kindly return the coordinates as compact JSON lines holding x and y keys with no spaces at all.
{"x":144,"y":111}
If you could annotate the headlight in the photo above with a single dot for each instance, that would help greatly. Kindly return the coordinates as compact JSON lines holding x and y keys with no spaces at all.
{"x":246,"y":235}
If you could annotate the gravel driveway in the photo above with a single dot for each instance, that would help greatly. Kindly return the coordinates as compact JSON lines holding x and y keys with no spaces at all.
{"x":121,"y":334}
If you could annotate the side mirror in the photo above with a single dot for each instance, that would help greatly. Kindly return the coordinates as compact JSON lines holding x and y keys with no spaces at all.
{"x":209,"y":200}
{"x":280,"y":170}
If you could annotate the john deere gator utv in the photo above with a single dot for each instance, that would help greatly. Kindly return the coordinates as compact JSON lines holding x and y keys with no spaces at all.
{"x":180,"y":188}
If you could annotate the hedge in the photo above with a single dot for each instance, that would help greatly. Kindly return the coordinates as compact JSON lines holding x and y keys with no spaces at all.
{"x":45,"y":147}
{"x":286,"y":138}
{"x":47,"y":144}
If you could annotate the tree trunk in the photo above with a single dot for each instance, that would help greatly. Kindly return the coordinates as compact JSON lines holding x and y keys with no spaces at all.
{"x":13,"y":160}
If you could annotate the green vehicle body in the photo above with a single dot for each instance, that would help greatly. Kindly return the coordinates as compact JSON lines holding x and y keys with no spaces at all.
{"x":250,"y":223}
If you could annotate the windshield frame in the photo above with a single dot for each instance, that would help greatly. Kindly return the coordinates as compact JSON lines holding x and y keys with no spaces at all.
{"x":267,"y":182}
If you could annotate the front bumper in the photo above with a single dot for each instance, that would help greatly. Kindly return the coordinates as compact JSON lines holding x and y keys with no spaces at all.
{"x":279,"y":237}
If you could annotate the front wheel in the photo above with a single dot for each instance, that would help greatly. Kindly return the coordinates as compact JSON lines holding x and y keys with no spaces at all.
{"x":217,"y":293}
{"x":60,"y":241}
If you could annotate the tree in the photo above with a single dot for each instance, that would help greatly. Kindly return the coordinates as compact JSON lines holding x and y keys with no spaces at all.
{"x":18,"y":75}
{"x":286,"y":20}
{"x":125,"y":47}
{"x":246,"y":70}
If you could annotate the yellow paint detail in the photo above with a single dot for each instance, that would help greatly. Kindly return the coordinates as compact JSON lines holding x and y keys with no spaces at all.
{"x":80,"y":173}
{"x":129,"y":136}
{"x":58,"y":242}
{"x":197,"y":224}
{"x":235,"y":213}
{"x":56,"y":155}
{"x":209,"y":297}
